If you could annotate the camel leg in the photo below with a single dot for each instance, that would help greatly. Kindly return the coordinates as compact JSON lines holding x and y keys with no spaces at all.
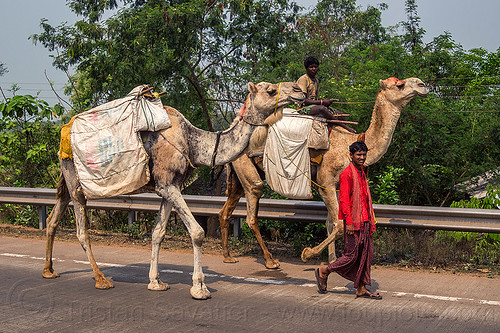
{"x":252,"y":210}
{"x":234,"y":193}
{"x":83,"y":236}
{"x":334,"y":227}
{"x":173,"y":195}
{"x":309,"y":253}
{"x":158,"y":233}
{"x":62,"y":202}
{"x":253,"y":186}
{"x":79,"y":205}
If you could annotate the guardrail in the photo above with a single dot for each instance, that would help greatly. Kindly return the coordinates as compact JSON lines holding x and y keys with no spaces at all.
{"x":423,"y":217}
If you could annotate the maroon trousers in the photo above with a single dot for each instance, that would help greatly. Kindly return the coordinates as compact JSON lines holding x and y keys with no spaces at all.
{"x":355,"y":262}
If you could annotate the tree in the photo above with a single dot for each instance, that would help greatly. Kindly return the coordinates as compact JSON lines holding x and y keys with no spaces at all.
{"x":3,"y":69}
{"x":413,"y":38}
{"x":28,"y":142}
{"x":333,"y":28}
{"x":196,"y":50}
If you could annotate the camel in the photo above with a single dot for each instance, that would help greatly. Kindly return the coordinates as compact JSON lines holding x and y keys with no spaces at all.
{"x":174,"y":153}
{"x":244,"y":176}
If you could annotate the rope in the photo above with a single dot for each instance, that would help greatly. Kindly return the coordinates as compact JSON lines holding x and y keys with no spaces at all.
{"x":354,"y":102}
{"x":277,"y":98}
{"x":217,"y":141}
{"x":253,"y":124}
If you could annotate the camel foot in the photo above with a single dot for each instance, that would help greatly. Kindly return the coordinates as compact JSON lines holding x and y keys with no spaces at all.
{"x":104,"y":284}
{"x":307,"y":254}
{"x":50,"y":274}
{"x":272,"y":264}
{"x":200,"y":293}
{"x":230,"y":260}
{"x":158,"y":286}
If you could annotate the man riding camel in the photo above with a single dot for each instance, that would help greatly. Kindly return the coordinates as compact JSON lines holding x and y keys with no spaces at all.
{"x":309,"y":84}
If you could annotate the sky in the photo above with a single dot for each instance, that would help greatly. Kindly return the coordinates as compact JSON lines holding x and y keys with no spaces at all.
{"x":471,"y":23}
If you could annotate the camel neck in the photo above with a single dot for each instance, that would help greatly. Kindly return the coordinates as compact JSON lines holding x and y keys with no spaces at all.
{"x":379,"y":134}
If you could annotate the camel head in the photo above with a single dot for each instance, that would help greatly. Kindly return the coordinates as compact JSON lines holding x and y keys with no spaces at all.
{"x":400,"y":92}
{"x":267,"y":99}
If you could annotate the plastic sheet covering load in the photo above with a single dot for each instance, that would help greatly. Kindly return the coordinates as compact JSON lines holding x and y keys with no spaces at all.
{"x":286,"y":156}
{"x":108,"y":153}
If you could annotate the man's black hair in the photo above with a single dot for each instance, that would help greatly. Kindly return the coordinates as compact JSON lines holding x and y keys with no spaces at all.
{"x":309,"y":61}
{"x":358,"y":146}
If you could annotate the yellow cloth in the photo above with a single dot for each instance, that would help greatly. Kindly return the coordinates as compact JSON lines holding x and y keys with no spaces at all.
{"x":65,"y":150}
{"x":317,"y":159}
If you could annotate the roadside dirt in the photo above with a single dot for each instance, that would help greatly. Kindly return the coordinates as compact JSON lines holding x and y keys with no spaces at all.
{"x":173,"y":243}
{"x":283,"y":252}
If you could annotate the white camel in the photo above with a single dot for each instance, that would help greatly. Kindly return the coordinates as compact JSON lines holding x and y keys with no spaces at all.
{"x":174,"y":153}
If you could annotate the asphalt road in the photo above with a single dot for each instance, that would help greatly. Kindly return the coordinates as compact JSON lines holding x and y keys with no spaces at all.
{"x":245,"y":296}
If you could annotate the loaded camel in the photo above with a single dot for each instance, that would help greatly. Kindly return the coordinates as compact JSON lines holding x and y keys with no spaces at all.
{"x":245,"y":177}
{"x":174,"y":153}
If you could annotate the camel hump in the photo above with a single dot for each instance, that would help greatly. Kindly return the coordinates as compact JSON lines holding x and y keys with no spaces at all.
{"x":65,"y":150}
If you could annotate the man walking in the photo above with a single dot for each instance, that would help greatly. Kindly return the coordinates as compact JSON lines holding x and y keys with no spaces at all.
{"x":356,"y":210}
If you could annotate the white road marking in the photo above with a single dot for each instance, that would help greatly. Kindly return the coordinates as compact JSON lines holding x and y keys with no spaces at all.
{"x":15,"y":255}
{"x":171,"y":271}
{"x":272,"y":281}
{"x":482,"y":301}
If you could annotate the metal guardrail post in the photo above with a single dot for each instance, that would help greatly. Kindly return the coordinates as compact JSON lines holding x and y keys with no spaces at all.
{"x":237,"y":231}
{"x":42,"y":217}
{"x":132,"y":217}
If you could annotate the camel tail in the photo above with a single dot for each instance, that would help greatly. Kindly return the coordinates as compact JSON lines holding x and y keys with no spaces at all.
{"x":62,"y":188}
{"x":229,"y":178}
{"x":233,"y":186}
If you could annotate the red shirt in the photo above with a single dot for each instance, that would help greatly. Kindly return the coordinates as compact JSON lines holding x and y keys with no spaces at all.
{"x":345,"y":196}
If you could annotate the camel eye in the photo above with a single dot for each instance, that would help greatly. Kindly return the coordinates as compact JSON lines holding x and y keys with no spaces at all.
{"x":271,"y":91}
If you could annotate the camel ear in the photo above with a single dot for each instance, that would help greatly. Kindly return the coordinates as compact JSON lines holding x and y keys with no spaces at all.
{"x":382,"y":84}
{"x":252,"y":88}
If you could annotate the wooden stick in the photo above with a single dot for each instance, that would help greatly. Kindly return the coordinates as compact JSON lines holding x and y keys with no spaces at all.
{"x":146,"y":91}
{"x":341,"y":122}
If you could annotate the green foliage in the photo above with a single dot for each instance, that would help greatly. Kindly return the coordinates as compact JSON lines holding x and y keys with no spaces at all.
{"x":490,"y":201}
{"x":29,"y":142}
{"x":385,"y":188}
{"x":26,"y":216}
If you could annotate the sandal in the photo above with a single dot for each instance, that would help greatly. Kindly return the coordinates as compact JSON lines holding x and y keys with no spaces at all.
{"x":370,"y":295}
{"x":321,"y":282}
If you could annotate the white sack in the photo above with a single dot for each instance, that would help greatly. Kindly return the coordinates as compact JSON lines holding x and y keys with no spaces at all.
{"x":318,"y":138}
{"x":107,"y":148}
{"x":286,"y":156}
